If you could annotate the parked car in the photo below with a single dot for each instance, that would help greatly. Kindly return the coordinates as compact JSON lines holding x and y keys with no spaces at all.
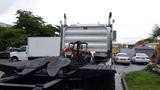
{"x":6,"y":53}
{"x":140,"y":58}
{"x":122,"y":58}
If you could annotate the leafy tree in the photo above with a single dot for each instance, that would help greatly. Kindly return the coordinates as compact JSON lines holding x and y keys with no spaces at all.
{"x":11,"y":37}
{"x":50,"y":30}
{"x":33,"y":25}
{"x":26,"y":25}
{"x":156,"y":32}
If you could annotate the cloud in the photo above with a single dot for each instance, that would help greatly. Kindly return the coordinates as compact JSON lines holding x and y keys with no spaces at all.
{"x":133,"y":18}
{"x":8,"y":9}
{"x":5,"y":5}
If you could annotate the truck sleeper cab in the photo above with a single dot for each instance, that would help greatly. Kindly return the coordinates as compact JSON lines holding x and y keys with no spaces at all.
{"x":97,"y":36}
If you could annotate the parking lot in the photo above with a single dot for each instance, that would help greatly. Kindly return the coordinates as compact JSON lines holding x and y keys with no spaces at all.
{"x":3,"y":61}
{"x":124,"y":69}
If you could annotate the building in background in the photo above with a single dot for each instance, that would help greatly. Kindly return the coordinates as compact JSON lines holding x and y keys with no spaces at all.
{"x":4,"y":25}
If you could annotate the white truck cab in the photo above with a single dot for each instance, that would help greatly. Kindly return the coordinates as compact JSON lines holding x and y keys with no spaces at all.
{"x":20,"y":54}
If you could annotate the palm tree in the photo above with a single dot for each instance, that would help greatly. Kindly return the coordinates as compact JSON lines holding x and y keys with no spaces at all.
{"x":156,"y":32}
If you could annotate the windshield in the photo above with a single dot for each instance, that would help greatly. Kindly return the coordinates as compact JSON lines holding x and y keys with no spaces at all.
{"x":22,"y":49}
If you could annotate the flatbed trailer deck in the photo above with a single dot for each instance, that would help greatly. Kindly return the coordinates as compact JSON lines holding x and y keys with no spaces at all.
{"x":87,"y":77}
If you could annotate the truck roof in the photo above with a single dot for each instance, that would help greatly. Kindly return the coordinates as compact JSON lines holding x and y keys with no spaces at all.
{"x":87,"y":25}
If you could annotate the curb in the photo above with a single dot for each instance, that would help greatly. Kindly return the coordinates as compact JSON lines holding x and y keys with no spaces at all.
{"x":124,"y":84}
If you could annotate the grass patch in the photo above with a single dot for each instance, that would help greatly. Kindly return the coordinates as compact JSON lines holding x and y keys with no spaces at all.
{"x":142,"y":80}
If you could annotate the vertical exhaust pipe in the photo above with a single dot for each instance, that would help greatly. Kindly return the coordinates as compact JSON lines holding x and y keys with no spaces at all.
{"x":65,"y":20}
{"x":62,"y":34}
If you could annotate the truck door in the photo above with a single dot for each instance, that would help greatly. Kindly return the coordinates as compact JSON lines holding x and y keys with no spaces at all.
{"x":22,"y":53}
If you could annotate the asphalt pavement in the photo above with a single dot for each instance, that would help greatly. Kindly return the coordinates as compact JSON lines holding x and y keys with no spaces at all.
{"x":3,"y":61}
{"x":124,"y":69}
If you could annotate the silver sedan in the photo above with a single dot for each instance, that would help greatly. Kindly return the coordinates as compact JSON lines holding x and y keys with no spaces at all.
{"x":122,"y":58}
{"x":140,"y":58}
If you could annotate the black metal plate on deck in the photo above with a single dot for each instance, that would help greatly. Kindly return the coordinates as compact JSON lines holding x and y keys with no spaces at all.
{"x":54,"y":67}
{"x":52,"y":64}
{"x":94,"y":70}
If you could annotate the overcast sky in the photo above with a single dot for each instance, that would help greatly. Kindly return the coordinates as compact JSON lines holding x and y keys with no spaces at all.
{"x":134,"y":19}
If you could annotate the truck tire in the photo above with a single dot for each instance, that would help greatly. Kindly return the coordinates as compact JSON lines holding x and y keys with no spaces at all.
{"x":14,"y":59}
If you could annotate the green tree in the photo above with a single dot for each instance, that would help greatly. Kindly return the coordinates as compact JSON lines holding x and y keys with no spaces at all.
{"x":156,"y":32}
{"x":27,"y":25}
{"x":50,"y":30}
{"x":33,"y":25}
{"x":10,"y":37}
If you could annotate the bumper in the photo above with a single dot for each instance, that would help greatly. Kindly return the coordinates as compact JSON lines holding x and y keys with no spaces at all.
{"x":142,"y":61}
{"x":122,"y":61}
